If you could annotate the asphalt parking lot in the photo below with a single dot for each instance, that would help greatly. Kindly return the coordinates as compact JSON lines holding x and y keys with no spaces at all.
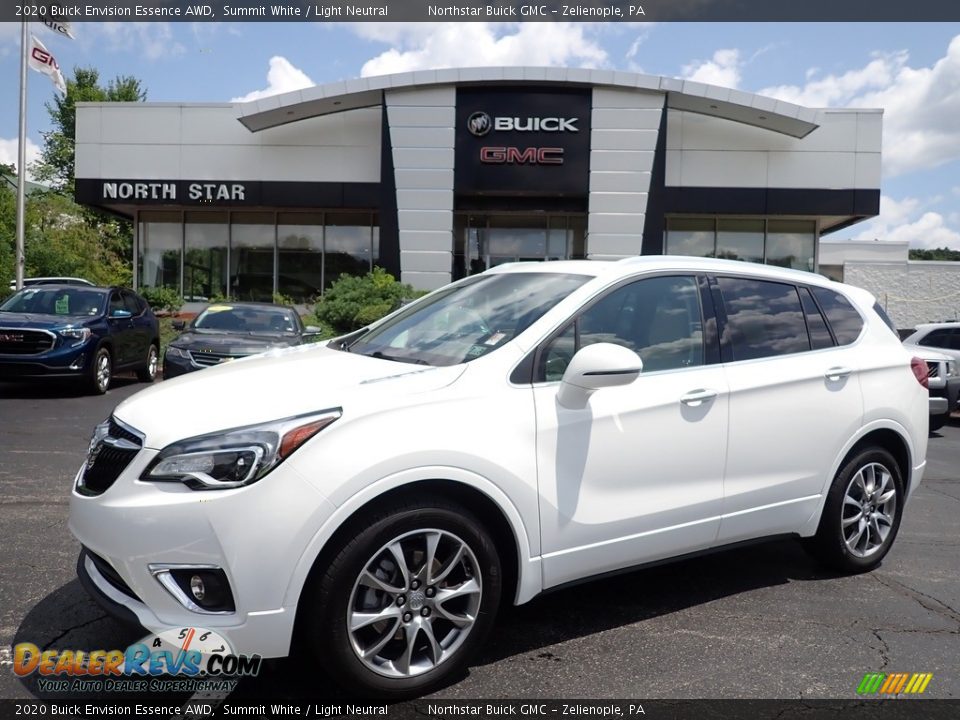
{"x":759,"y":622}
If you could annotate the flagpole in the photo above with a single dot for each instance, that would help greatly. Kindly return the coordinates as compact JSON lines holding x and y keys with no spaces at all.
{"x":22,"y":158}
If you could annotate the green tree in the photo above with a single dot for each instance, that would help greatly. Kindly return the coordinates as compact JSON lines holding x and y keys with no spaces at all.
{"x":943,"y":253}
{"x":56,"y":164}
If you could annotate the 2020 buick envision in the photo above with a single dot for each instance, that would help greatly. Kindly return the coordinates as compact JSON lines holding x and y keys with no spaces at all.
{"x":378,"y":497}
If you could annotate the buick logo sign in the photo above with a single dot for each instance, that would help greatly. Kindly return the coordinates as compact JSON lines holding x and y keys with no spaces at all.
{"x":479,"y":123}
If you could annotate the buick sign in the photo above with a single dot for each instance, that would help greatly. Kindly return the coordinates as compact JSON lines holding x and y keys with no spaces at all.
{"x":480,"y":123}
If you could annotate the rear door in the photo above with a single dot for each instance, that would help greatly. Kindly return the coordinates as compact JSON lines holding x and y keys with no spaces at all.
{"x":795,"y":399}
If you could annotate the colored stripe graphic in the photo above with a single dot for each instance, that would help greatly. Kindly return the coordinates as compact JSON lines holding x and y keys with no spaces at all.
{"x":894,"y":683}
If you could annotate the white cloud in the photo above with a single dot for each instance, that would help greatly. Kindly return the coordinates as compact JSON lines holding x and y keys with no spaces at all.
{"x":722,"y":69}
{"x":8,"y":153}
{"x":418,"y":46}
{"x":282,"y":77}
{"x":921,"y":105}
{"x":911,"y":220}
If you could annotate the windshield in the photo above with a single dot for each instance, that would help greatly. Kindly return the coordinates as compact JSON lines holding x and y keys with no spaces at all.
{"x":41,"y":300}
{"x":468,"y":320}
{"x":246,"y":319}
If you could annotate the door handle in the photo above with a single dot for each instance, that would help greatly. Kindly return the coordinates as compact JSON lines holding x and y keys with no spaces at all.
{"x":837,"y":373}
{"x":695,"y":398}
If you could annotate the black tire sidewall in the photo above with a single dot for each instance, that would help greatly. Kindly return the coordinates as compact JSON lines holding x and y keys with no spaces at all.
{"x":330,"y":598}
{"x":830,"y":542}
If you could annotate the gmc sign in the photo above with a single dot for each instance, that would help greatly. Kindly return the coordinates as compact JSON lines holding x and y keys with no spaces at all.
{"x":527,"y":156}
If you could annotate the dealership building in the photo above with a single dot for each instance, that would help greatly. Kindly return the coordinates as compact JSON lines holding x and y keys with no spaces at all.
{"x":438,"y":174}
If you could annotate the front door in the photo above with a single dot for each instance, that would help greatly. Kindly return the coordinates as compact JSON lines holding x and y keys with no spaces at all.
{"x":636,"y":475}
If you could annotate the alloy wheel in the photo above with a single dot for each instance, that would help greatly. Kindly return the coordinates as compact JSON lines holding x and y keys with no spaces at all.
{"x":414,"y":603}
{"x":869,"y":509}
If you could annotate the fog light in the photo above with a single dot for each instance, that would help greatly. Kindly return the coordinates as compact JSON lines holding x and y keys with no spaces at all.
{"x":202,"y":589}
{"x":197,"y":588}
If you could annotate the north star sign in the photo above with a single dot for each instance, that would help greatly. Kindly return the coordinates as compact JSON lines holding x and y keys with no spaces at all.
{"x":167,"y":191}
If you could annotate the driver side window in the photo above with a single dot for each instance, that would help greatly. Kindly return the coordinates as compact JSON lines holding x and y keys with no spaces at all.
{"x":658,"y":318}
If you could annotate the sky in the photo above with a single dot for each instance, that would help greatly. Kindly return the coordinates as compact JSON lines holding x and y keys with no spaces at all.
{"x":911,"y":70}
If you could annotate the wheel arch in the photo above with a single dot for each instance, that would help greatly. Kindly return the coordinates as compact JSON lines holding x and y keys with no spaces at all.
{"x":522,"y":579}
{"x":890,"y":436}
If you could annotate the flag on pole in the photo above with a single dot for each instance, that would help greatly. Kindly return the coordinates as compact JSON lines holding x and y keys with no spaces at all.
{"x":63,"y":28}
{"x":42,"y":61}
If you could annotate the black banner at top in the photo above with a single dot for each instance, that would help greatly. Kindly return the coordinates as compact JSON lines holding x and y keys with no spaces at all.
{"x":475,"y":11}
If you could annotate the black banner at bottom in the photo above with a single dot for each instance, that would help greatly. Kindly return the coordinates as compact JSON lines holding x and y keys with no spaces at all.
{"x":197,"y":707}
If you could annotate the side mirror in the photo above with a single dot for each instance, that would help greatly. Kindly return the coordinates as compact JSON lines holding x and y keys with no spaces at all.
{"x":179,"y":325}
{"x":311,"y":330}
{"x":120,"y":314}
{"x":594,"y":367}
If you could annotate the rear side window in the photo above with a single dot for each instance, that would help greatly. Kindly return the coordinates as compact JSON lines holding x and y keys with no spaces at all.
{"x":842,"y":316}
{"x":764,"y":319}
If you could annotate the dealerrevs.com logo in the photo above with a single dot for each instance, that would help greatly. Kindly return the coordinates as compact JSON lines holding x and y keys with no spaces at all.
{"x":879,"y":683}
{"x":198,"y":658}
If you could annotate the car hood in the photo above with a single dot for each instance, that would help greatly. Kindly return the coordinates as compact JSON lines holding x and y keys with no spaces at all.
{"x":271,"y":386}
{"x":34,"y":321}
{"x":232,"y":343}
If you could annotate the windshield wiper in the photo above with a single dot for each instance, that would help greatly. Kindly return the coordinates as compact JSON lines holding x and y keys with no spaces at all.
{"x":396,"y":358}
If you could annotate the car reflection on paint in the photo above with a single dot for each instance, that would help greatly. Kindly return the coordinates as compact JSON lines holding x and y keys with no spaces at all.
{"x":227,"y":331}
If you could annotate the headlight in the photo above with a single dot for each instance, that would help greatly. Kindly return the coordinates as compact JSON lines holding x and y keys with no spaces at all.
{"x":173,"y":351}
{"x":79,"y":335}
{"x":237,"y":457}
{"x":953,"y":369}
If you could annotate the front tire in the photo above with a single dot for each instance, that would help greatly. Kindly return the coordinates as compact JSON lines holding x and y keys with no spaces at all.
{"x":406,"y":602}
{"x":938,"y":421}
{"x":101,"y":371}
{"x":862,"y":512}
{"x":148,"y":373}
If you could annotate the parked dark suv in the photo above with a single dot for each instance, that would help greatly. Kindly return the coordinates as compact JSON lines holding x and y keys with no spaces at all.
{"x":72,"y":331}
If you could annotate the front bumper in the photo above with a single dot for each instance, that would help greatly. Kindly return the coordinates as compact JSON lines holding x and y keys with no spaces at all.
{"x":57,"y":363}
{"x":257,"y":535}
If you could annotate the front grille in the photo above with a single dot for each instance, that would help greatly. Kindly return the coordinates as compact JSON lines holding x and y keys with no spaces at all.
{"x":110,"y":575}
{"x":108,"y":458}
{"x":933,"y":369}
{"x":209,"y":358}
{"x":14,"y":341}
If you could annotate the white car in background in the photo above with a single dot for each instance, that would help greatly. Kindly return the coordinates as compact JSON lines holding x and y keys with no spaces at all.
{"x":380,"y":496}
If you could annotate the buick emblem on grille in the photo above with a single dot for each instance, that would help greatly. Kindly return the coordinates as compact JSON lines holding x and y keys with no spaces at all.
{"x":96,"y":442}
{"x":11,"y":337}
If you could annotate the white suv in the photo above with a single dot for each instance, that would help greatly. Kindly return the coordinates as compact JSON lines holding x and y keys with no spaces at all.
{"x":378,"y":497}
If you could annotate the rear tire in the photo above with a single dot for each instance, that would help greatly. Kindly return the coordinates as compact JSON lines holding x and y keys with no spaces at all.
{"x":862,"y":513}
{"x":101,"y":371}
{"x":432,"y":616}
{"x":148,"y":373}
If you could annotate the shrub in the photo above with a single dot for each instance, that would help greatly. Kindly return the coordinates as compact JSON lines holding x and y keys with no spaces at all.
{"x":281,"y":299}
{"x":355,"y":301}
{"x":162,"y":298}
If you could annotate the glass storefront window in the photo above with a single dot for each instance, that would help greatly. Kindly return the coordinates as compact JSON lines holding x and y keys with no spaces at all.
{"x":740,"y":239}
{"x":160,"y":237}
{"x":690,"y":236}
{"x":485,"y":241}
{"x":349,"y":246}
{"x":300,"y":255}
{"x":206,"y":237}
{"x":252,"y":236}
{"x":791,"y":243}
